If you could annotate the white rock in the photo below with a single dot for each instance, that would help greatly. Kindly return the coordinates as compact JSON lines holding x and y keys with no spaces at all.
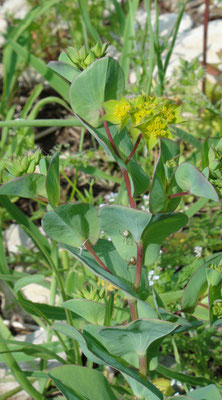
{"x":190,"y":45}
{"x":14,"y":237}
{"x":17,"y":8}
{"x":166,"y":21}
{"x":37,"y":293}
{"x":7,"y":382}
{"x":3,"y":27}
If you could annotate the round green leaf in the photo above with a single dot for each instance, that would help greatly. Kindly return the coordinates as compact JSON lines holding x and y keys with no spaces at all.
{"x":125,"y":226}
{"x":192,"y":180}
{"x":103,"y":80}
{"x":72,"y":224}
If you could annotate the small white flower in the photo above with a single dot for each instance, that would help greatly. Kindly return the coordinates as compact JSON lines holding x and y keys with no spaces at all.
{"x":198,"y":251}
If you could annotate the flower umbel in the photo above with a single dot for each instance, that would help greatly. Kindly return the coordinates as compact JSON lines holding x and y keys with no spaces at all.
{"x":146,"y":114}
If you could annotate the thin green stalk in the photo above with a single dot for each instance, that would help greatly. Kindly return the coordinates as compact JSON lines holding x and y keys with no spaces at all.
{"x":128,"y":38}
{"x":47,"y":100}
{"x":65,"y":260}
{"x":85,"y":15}
{"x":10,"y":393}
{"x":151,"y":47}
{"x":74,"y":188}
{"x":18,"y":374}
{"x":18,"y":123}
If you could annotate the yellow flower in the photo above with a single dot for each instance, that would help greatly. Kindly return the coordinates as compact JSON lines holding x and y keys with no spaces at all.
{"x":164,"y":385}
{"x":117,"y":111}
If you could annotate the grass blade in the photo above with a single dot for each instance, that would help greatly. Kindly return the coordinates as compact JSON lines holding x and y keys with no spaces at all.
{"x":57,"y":83}
{"x":128,"y":37}
{"x":86,"y":18}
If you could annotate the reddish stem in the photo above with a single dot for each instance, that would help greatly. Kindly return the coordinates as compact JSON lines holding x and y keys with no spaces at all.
{"x":139,"y":264}
{"x":203,"y":305}
{"x":133,"y":309}
{"x":109,"y":135}
{"x":206,"y":19}
{"x":134,"y":148}
{"x":178,"y":194}
{"x":90,"y":250}
{"x":128,"y":187}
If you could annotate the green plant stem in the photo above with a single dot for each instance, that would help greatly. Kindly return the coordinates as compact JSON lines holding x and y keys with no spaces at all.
{"x":134,"y":148}
{"x":18,"y":374}
{"x":139,"y":264}
{"x":74,"y":187}
{"x":143,"y":366}
{"x":18,"y":123}
{"x":10,"y":393}
{"x":91,"y":251}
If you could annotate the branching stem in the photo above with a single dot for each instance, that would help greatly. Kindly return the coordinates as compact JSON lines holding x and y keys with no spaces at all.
{"x":134,"y":148}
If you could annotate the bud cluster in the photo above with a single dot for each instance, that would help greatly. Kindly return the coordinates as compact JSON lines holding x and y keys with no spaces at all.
{"x":81,"y":59}
{"x":19,"y":166}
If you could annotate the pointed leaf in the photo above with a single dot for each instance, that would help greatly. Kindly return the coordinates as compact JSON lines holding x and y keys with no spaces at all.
{"x":71,"y":332}
{"x":192,"y":180}
{"x":63,"y":69}
{"x":162,"y":225}
{"x":115,"y":268}
{"x":27,"y":186}
{"x":197,"y":284}
{"x":135,"y":337}
{"x":72,"y":224}
{"x":52,"y":181}
{"x":91,"y":311}
{"x":82,"y":382}
{"x":100,"y":351}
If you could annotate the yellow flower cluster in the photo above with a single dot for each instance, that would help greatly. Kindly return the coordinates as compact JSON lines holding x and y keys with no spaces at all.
{"x":157,"y":127}
{"x":168,"y":114}
{"x":146,"y":114}
{"x":121,"y":110}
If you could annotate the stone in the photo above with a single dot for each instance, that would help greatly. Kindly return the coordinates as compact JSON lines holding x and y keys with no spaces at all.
{"x":3,"y":27}
{"x":15,"y":236}
{"x":166,"y":21}
{"x":37,"y":293}
{"x":189,"y":45}
{"x":17,"y":8}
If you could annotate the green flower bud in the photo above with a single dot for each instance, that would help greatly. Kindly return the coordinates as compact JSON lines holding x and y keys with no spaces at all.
{"x":31,"y":167}
{"x":217,"y":309}
{"x":89,"y":59}
{"x":97,"y":50}
{"x":104,"y":48}
{"x":82,"y":53}
{"x":73,"y":54}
